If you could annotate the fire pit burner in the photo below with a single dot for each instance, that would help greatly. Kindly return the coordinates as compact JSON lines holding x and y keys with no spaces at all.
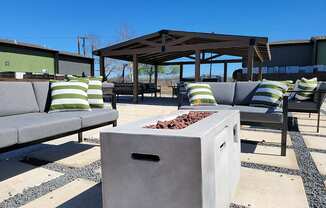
{"x":182,"y":121}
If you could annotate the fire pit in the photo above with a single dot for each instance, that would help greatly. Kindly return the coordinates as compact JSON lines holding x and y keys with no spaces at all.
{"x":150,"y":164}
{"x":181,"y":122}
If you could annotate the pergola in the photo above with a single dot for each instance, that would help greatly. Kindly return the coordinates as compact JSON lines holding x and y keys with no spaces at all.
{"x":162,"y":47}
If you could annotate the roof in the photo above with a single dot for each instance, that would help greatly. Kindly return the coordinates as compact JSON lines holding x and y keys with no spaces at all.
{"x":166,"y":45}
{"x":25,"y":45}
{"x":39,"y":47}
{"x":290,"y":42}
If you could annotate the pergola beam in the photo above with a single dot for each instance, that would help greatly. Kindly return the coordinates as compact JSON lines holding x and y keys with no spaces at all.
{"x":185,"y":47}
{"x":203,"y":62}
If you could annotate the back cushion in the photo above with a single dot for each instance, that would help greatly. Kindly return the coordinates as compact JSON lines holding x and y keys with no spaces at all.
{"x":17,"y":98}
{"x":43,"y":95}
{"x":223,"y":92}
{"x":244,"y":91}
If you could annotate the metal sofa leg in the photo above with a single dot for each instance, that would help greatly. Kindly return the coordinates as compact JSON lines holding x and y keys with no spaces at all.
{"x":318,"y":121}
{"x":115,"y":123}
{"x":80,"y":137}
{"x":309,"y":115}
{"x":283,"y":142}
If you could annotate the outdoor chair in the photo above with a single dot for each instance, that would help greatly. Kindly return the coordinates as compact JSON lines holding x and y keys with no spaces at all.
{"x":310,"y":106}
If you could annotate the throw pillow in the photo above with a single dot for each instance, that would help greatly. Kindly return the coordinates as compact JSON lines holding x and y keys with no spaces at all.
{"x":94,"y":92}
{"x":69,"y":96}
{"x":269,"y":94}
{"x":200,"y":94}
{"x":306,"y":85}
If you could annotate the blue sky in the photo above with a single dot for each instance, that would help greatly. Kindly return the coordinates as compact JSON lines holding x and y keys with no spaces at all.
{"x":56,"y":23}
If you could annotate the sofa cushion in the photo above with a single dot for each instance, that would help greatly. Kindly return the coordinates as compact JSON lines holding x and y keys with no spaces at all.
{"x":17,"y":98}
{"x":92,"y":118}
{"x":244,"y":91}
{"x":212,"y":108}
{"x":69,"y":96}
{"x":223,"y":92}
{"x":304,"y":106}
{"x":35,"y":126}
{"x":200,"y":94}
{"x":43,"y":95}
{"x":259,"y":114}
{"x":8,"y":136}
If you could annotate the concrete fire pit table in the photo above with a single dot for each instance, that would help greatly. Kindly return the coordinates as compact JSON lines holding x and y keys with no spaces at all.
{"x":194,"y":167}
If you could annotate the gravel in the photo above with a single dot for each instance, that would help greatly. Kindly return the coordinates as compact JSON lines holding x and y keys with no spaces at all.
{"x":313,"y":181}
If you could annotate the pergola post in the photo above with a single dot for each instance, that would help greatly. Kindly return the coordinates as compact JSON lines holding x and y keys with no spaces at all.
{"x":260,"y":74}
{"x":155,"y":78}
{"x":225,"y":75}
{"x":250,"y":62}
{"x":102,"y":67}
{"x":197,"y":66}
{"x":135,"y":78}
{"x":181,"y":72}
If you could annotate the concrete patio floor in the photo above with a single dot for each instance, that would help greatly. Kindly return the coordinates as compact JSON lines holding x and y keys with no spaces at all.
{"x":71,"y":177}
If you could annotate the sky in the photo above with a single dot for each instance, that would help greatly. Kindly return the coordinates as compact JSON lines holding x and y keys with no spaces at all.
{"x":57,"y":23}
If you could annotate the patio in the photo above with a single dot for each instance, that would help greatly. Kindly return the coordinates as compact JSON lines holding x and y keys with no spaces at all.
{"x":64,"y":173}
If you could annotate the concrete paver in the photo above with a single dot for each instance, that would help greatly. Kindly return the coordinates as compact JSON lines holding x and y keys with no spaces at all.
{"x":320,"y":161}
{"x":267,"y":155}
{"x":259,"y":189}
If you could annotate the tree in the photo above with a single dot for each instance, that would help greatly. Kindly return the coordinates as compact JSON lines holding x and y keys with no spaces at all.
{"x":148,"y":70}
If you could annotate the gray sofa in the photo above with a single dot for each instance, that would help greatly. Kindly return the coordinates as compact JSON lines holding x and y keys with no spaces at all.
{"x":24,"y":119}
{"x":238,"y":95}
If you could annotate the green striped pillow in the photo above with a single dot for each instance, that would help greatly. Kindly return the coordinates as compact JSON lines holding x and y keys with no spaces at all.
{"x":269,"y":94}
{"x":200,"y":94}
{"x":306,"y":85}
{"x":69,"y":96}
{"x":94,"y":92}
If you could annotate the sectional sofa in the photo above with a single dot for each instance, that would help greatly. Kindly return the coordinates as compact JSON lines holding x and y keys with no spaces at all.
{"x":24,"y":119}
{"x":237,"y":96}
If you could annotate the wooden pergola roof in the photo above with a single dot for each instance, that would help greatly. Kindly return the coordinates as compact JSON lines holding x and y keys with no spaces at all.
{"x":167,"y":45}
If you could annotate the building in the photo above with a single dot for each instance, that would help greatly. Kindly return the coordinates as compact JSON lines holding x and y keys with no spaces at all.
{"x":292,"y":60}
{"x":298,"y":52}
{"x":23,"y":57}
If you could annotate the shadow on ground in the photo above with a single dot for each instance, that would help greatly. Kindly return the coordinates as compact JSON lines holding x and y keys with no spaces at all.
{"x":92,"y":197}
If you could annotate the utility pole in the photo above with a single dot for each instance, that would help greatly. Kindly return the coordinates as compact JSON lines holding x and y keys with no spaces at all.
{"x":78,"y":44}
{"x":83,"y":39}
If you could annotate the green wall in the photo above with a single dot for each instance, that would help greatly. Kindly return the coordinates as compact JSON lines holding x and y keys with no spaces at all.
{"x":24,"y":60}
{"x":321,"y":56}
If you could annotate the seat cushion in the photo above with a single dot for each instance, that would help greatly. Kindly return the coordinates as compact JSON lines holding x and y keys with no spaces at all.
{"x":302,"y":106}
{"x":213,"y":108}
{"x":223,"y":92}
{"x":259,"y":114}
{"x":8,"y":136}
{"x":244,"y":91}
{"x":43,"y":96}
{"x":94,"y":117}
{"x":35,"y":126}
{"x":17,"y":98}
